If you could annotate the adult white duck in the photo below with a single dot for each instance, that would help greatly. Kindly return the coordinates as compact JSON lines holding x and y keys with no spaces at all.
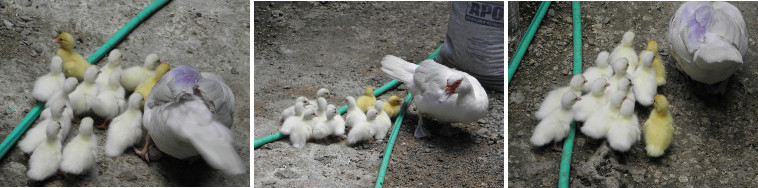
{"x":189,"y":113}
{"x":440,"y":92}
{"x":708,"y":41}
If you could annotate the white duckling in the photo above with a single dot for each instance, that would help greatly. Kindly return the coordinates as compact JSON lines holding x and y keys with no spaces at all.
{"x":320,"y":129}
{"x":709,"y":41}
{"x":133,"y":76}
{"x":644,"y":80}
{"x":293,"y":120}
{"x":625,"y":130}
{"x":364,"y":130}
{"x":62,"y":96}
{"x":87,"y":88}
{"x":556,"y":125}
{"x":113,"y":65}
{"x":303,"y":131}
{"x":290,"y":111}
{"x":552,"y":100}
{"x":619,"y":65}
{"x":321,"y":108}
{"x":81,"y":152}
{"x":592,"y":101}
{"x":126,"y":129}
{"x":625,"y":50}
{"x":335,"y":121}
{"x":46,"y":158}
{"x":597,"y":125}
{"x":445,"y":94}
{"x":601,"y":69}
{"x":46,"y":85}
{"x":36,"y":135}
{"x":382,"y":123}
{"x":353,"y":115}
{"x":109,"y":103}
{"x":322,"y":93}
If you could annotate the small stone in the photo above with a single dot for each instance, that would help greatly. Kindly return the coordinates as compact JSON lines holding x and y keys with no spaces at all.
{"x":8,"y":24}
{"x":26,"y":18}
{"x":287,"y":87}
{"x":568,"y":19}
{"x":551,"y":12}
{"x":382,"y":40}
{"x":234,"y":71}
{"x":561,"y":43}
{"x":482,"y":132}
{"x":198,"y":14}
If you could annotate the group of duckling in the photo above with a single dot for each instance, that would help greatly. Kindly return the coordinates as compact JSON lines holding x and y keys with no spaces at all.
{"x":316,"y":120}
{"x":607,"y":106}
{"x":102,"y":92}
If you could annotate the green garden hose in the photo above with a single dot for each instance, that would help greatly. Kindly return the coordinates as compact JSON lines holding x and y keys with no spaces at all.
{"x":524,"y":44}
{"x":97,"y":55}
{"x":276,"y":136}
{"x":568,"y":145}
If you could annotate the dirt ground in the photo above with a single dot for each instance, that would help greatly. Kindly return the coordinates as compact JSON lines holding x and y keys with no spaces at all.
{"x":714,"y":142}
{"x":301,"y":47}
{"x":212,"y":36}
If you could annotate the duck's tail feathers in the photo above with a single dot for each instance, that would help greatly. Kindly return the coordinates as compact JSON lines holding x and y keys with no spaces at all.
{"x":398,"y":69}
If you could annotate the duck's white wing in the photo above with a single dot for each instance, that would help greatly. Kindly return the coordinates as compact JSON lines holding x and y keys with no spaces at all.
{"x":399,"y":69}
{"x":729,"y":24}
{"x":193,"y":122}
{"x":430,"y":77}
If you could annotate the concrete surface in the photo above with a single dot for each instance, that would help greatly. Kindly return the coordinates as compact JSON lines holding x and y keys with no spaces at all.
{"x":210,"y":35}
{"x":714,"y":143}
{"x":301,"y":47}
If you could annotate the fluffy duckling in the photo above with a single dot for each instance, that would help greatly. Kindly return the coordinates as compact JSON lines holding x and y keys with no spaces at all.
{"x":36,"y":135}
{"x":133,"y":76}
{"x":290,"y":111}
{"x":321,"y":108}
{"x":382,"y":122}
{"x":114,"y":64}
{"x":323,"y":92}
{"x":46,"y":158}
{"x":597,"y":125}
{"x":62,"y":96}
{"x":126,"y":129}
{"x":145,"y":87}
{"x":625,"y":130}
{"x":366,"y":100}
{"x":619,"y":65}
{"x":392,"y":106}
{"x":644,"y":80}
{"x":555,"y":126}
{"x":659,"y":128}
{"x":335,"y":121}
{"x":601,"y":69}
{"x":625,"y":50}
{"x":353,"y":115}
{"x":109,"y":103}
{"x":87,"y":88}
{"x":74,"y":65}
{"x":46,"y":85}
{"x":660,"y":70}
{"x":321,"y":130}
{"x":81,"y":152}
{"x":294,"y":119}
{"x":363,"y":130}
{"x":553,"y":99}
{"x":303,"y":130}
{"x":591,"y":101}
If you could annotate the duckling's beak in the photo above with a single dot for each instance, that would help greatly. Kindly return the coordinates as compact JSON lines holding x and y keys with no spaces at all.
{"x":55,"y":40}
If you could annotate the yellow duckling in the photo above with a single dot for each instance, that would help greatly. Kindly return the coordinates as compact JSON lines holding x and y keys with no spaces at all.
{"x":660,"y":70}
{"x":74,"y":65}
{"x":147,"y":85}
{"x":392,"y":106}
{"x":659,"y":128}
{"x":366,"y":100}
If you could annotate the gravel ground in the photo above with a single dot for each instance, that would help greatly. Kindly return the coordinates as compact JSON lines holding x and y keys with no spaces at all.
{"x":212,"y":36}
{"x":301,"y":47}
{"x":714,"y":143}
